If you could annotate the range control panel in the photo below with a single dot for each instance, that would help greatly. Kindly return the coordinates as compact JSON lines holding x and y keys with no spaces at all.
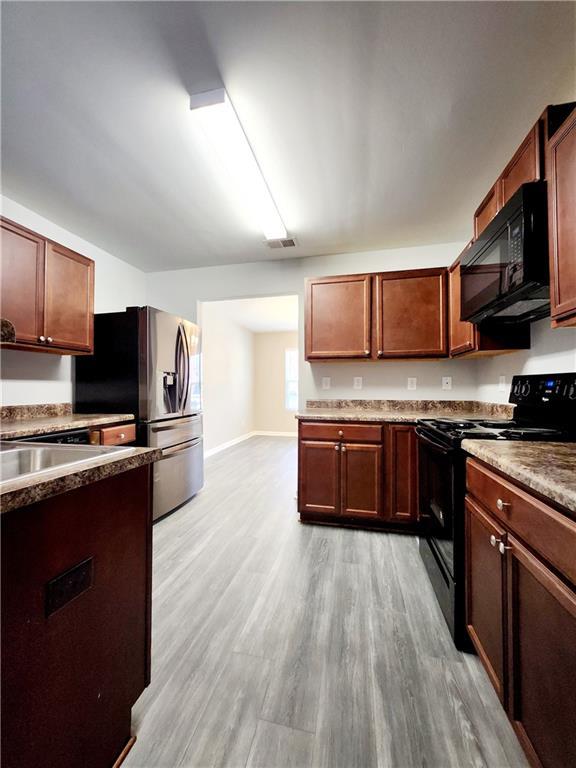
{"x":554,"y":388}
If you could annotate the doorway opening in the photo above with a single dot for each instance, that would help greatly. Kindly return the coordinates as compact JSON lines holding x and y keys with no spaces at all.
{"x":250,"y":363}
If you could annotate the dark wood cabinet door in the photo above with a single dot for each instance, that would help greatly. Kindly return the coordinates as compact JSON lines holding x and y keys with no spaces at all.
{"x":524,"y":166}
{"x":338,"y":317}
{"x":542,"y":653}
{"x":487,"y":209}
{"x":562,"y":219}
{"x":361,"y":480}
{"x":485,"y":592}
{"x":319,"y":477}
{"x":22,"y":283}
{"x":401,"y":477}
{"x":69,"y":299}
{"x":411,"y":313}
{"x":462,"y":335}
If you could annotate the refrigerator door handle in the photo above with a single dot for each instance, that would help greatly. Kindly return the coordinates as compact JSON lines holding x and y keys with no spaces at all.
{"x":180,"y":365}
{"x":186,"y":358}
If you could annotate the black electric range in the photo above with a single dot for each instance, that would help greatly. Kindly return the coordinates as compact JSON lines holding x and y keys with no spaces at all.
{"x":545,"y":411}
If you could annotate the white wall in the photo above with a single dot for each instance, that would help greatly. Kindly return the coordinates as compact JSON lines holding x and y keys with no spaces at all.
{"x":33,"y":377}
{"x":178,"y":291}
{"x":227,"y":377}
{"x":270,"y":414}
{"x":552,"y":351}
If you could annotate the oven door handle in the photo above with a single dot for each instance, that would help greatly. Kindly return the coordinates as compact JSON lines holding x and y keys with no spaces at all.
{"x":426,"y":439}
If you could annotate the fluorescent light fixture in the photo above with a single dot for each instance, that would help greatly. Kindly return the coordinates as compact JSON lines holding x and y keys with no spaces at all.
{"x":220,"y":124}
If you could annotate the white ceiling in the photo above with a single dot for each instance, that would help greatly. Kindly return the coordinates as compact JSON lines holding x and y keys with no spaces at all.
{"x":262,"y":315}
{"x":376,"y":124}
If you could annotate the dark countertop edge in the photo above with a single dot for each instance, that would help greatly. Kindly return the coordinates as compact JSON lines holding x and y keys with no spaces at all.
{"x":59,"y":424}
{"x":546,"y":490}
{"x":45,"y":489}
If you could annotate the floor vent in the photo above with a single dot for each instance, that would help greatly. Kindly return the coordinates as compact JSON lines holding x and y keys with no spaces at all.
{"x":288,"y":242}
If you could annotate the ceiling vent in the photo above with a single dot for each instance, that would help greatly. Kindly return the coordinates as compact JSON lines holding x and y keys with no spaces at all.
{"x":287,"y":242}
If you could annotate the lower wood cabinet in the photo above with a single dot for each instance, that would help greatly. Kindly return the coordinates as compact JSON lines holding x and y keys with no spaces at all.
{"x":358,"y":473}
{"x":521,"y":611}
{"x":485,"y":592}
{"x":401,"y":473}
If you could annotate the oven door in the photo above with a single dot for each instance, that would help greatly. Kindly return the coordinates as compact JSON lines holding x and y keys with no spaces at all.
{"x":437,"y":471}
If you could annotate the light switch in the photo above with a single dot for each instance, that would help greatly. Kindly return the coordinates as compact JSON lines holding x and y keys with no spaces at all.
{"x":326,"y":382}
{"x":357,"y":382}
{"x":502,"y":384}
{"x":446,"y":382}
{"x":411,"y":382}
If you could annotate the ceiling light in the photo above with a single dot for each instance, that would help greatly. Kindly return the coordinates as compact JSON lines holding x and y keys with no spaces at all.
{"x":223,"y":131}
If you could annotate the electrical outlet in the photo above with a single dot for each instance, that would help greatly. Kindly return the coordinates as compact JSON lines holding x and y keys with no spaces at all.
{"x":411,"y":382}
{"x":326,"y":382}
{"x":357,"y":382}
{"x":502,"y":384}
{"x":446,"y":382}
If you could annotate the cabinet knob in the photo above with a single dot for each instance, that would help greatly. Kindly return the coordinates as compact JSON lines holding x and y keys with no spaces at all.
{"x":494,"y":540}
{"x":502,"y":504}
{"x":121,"y":435}
{"x":336,"y":447}
{"x":49,"y":339}
{"x":42,"y":338}
{"x":502,"y":547}
{"x":340,"y":433}
{"x":380,"y":353}
{"x":343,"y":449}
{"x":367,"y":352}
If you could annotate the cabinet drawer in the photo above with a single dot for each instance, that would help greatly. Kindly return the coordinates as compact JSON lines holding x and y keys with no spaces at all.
{"x":125,"y":433}
{"x":329,"y":431}
{"x":547,"y":531}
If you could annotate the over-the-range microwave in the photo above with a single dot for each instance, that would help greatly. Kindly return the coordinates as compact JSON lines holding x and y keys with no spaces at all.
{"x":505,"y":273}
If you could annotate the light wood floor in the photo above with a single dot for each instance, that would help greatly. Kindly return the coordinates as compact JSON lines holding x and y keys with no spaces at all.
{"x":277,"y":644}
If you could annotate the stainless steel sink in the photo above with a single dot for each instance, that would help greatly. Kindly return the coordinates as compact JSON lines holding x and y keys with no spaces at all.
{"x":18,"y":459}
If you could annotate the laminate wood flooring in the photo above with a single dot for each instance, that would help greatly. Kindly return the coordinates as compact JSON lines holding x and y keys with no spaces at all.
{"x":281,"y":645}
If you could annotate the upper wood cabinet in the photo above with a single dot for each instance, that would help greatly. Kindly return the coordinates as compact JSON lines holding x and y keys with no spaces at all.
{"x":525,"y":165}
{"x":339,"y":317}
{"x":47,"y":293}
{"x":561,"y":164}
{"x":462,"y":335}
{"x":411,"y":313}
{"x":488,"y":208}
{"x":22,"y":282}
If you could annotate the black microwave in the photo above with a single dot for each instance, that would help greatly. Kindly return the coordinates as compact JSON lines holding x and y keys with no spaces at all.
{"x":505,"y":273}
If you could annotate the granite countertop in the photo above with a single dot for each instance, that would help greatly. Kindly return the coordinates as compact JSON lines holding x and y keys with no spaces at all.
{"x":401,"y":410}
{"x":11,"y":429}
{"x":25,"y":490}
{"x":361,"y":414}
{"x":547,"y":468}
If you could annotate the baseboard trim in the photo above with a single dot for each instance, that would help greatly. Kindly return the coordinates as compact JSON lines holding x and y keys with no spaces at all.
{"x":275,"y":434}
{"x":229,"y":444}
{"x":246,"y":436}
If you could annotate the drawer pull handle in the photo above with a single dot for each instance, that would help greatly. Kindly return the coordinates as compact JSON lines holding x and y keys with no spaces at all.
{"x":502,"y":547}
{"x":502,"y":504}
{"x":340,"y":433}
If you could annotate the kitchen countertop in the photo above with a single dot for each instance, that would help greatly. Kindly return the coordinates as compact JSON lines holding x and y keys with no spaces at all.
{"x":547,"y":468}
{"x":11,"y":429}
{"x":381,"y":415}
{"x":25,"y":490}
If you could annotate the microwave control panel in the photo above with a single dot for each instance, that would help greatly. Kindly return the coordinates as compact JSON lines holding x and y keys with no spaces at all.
{"x":515,"y":261}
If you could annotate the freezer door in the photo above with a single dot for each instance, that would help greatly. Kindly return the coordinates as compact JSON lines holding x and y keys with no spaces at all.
{"x":178,"y":476}
{"x":191,"y":401}
{"x":165,"y":434}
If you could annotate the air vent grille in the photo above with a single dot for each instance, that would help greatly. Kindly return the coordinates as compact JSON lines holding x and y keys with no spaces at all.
{"x":288,"y":242}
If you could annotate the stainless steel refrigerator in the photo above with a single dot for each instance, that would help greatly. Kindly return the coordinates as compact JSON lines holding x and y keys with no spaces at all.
{"x":147,"y":362}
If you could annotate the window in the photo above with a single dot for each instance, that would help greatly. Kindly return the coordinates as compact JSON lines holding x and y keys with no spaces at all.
{"x":291,"y":380}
